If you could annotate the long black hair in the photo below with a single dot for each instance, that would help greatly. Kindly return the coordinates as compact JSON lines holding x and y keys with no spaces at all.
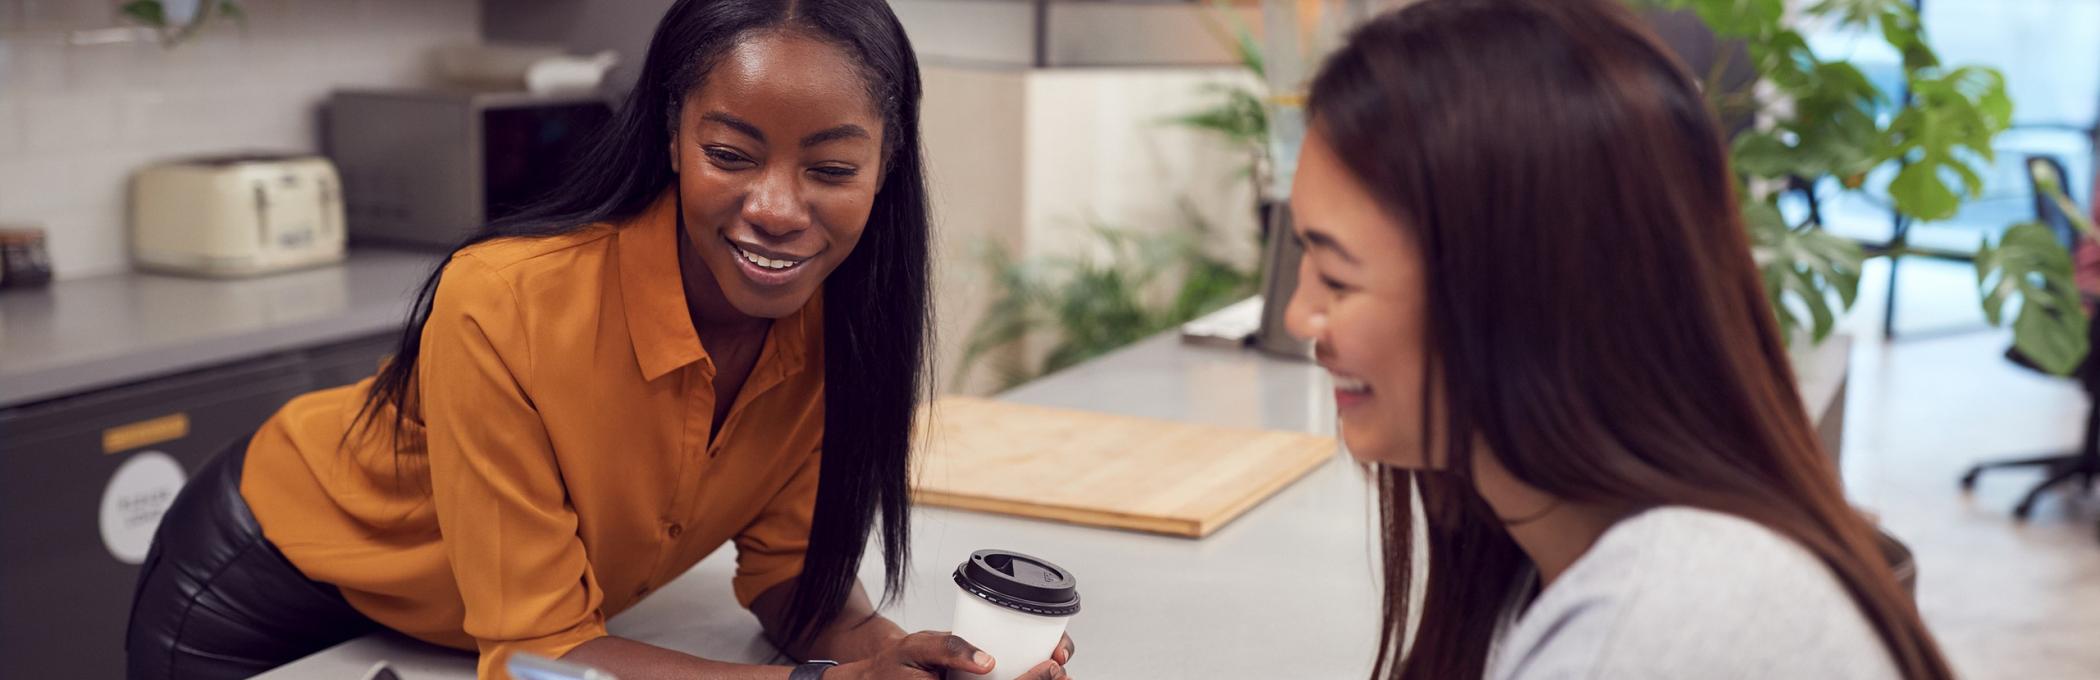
{"x":877,"y":314}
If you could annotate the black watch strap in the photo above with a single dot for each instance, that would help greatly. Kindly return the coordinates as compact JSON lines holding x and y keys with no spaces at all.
{"x":811,"y":670}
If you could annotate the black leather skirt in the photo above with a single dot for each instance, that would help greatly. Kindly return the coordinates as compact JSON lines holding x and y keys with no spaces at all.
{"x":217,"y":600}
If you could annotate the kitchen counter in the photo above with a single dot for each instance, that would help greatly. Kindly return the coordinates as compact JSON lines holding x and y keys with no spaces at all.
{"x":1155,"y":606}
{"x":1289,"y":590}
{"x":87,"y":334}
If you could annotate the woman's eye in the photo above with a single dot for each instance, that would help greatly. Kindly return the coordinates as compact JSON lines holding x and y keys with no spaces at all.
{"x":835,"y":173}
{"x":1332,"y":284}
{"x":725,"y":156}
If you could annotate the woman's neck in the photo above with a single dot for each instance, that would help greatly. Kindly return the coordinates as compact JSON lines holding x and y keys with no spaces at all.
{"x":1552,"y":531}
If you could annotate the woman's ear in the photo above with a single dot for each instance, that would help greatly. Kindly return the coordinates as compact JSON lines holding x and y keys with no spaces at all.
{"x":673,"y":150}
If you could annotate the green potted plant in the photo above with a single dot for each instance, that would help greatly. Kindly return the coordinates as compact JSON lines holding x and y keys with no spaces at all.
{"x":1131,"y":285}
{"x":176,"y":21}
{"x":1820,"y":118}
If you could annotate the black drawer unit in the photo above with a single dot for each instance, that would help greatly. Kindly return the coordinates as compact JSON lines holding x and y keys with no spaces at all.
{"x":84,"y":479}
{"x":338,"y":365}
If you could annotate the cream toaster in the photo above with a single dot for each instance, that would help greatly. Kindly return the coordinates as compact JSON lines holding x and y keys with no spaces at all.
{"x":237,"y":215}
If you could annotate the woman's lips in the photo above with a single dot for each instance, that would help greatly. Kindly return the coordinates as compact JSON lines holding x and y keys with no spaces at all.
{"x":1349,"y":391}
{"x":764,"y":270}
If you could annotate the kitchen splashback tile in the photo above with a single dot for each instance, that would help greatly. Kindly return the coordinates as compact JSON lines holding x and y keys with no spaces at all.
{"x":10,"y":128}
{"x":87,"y":241}
{"x":69,"y":122}
{"x":106,"y":67}
{"x":139,"y":116}
{"x":19,"y":170}
{"x":334,"y":18}
{"x":218,"y":58}
{"x":78,"y":118}
{"x":47,"y":173}
{"x":66,"y":15}
{"x":32,"y":64}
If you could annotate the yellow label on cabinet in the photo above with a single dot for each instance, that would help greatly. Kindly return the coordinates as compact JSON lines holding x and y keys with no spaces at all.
{"x":145,"y":433}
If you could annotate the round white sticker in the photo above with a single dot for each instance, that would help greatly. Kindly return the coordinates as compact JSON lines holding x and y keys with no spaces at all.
{"x":138,"y":494}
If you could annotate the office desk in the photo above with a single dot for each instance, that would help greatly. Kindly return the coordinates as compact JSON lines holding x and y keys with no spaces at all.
{"x":1287,"y":591}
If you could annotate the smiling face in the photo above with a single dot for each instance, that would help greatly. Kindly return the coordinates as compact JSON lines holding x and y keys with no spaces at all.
{"x":1360,"y":300}
{"x":779,"y":159}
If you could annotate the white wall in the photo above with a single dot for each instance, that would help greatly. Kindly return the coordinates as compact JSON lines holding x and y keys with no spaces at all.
{"x":1003,"y":32}
{"x":1097,"y":150}
{"x":1028,"y":158}
{"x":82,"y":106}
{"x":969,"y":32}
{"x":972,"y":123}
{"x":581,"y":26}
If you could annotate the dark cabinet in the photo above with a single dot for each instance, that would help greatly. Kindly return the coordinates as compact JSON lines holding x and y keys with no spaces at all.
{"x":84,"y":478}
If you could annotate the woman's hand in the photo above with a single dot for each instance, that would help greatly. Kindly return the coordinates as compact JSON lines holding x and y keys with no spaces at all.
{"x":926,"y":654}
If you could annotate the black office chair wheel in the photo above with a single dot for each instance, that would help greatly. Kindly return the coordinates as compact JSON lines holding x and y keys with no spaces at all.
{"x":1968,"y":479}
{"x":2025,"y":508}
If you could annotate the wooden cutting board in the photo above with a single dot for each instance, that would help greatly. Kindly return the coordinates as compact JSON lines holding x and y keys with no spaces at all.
{"x":1103,"y":470}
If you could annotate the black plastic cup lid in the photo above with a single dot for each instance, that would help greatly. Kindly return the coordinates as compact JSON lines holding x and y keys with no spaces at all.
{"x":1019,"y":582}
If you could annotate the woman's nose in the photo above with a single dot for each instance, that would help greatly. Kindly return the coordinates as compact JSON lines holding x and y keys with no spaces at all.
{"x":1306,"y":317}
{"x":775,"y":204}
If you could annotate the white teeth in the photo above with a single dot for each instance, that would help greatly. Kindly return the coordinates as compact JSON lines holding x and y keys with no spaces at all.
{"x":764,"y":261}
{"x":1348,"y":384}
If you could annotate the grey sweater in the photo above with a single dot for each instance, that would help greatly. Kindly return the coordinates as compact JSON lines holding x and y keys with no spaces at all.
{"x":1683,"y":593}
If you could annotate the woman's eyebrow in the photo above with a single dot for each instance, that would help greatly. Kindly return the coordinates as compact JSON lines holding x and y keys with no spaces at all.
{"x":735,"y":123}
{"x":847,"y":131}
{"x":1314,"y":237}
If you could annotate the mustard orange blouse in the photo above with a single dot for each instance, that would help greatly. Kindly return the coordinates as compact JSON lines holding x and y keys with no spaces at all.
{"x":567,"y":403}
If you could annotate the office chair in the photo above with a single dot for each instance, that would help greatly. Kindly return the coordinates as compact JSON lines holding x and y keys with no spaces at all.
{"x":2084,"y":463}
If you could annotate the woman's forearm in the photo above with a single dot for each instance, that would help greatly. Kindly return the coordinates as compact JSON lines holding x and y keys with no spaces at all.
{"x":856,"y":633}
{"x":631,"y":660}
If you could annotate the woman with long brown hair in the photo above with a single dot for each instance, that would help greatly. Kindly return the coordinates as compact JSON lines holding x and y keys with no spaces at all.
{"x":1526,"y":272}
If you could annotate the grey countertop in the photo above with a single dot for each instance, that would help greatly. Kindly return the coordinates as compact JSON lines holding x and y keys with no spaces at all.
{"x":1286,"y":591}
{"x":1289,"y":590}
{"x":86,"y":334}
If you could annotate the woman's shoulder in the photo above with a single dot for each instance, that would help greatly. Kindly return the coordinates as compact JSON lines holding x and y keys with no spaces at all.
{"x":1682,"y":539}
{"x":517,"y":274}
{"x":1675,"y":591}
{"x":511,"y":252}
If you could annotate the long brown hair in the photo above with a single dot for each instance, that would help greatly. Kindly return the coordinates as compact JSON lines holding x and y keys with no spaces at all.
{"x":1594,"y":315}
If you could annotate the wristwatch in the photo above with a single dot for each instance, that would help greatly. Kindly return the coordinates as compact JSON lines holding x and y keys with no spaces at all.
{"x":812,"y":669}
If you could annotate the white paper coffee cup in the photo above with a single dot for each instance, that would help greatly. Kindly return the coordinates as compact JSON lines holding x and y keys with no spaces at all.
{"x":1014,"y":607}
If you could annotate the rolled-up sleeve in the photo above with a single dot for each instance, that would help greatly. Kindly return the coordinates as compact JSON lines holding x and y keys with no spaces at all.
{"x":769,"y":550}
{"x":510,"y":532}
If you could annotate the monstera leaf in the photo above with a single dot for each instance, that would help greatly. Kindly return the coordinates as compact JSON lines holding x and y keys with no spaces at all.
{"x":1822,"y":118}
{"x":1802,"y":269}
{"x":2030,"y":264}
